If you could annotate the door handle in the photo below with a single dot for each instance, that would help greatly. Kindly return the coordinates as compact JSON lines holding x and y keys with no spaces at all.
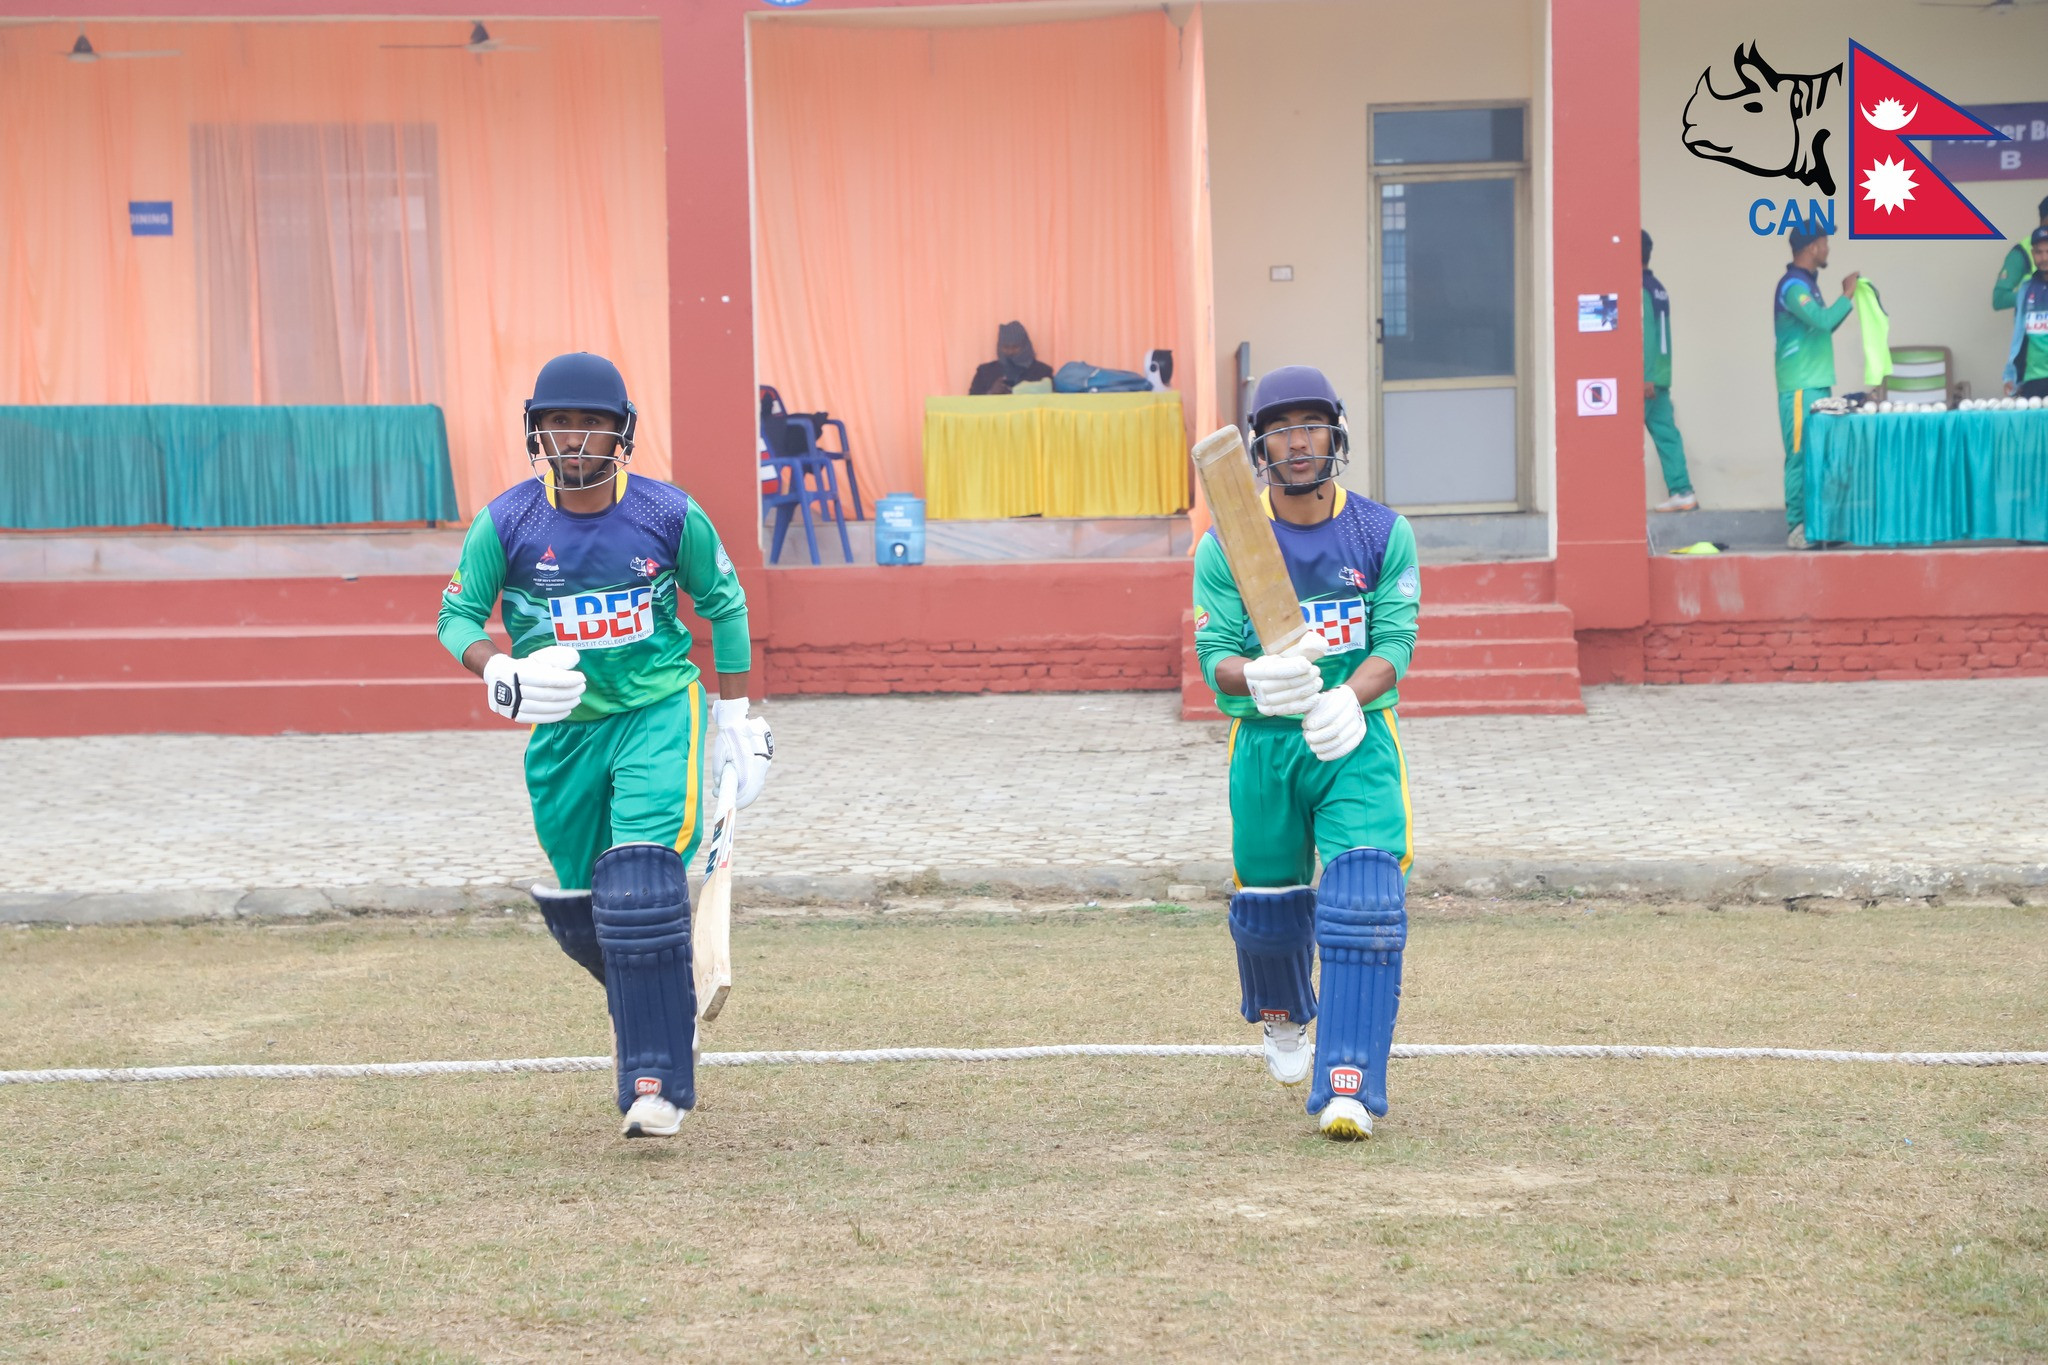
{"x":1379,"y":330}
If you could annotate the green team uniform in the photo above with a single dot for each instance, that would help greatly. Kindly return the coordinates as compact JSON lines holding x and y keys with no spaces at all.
{"x":2012,"y":273}
{"x":1360,"y":588}
{"x":1657,"y":414}
{"x":2026,"y":359}
{"x":625,"y":767}
{"x":1805,"y":361}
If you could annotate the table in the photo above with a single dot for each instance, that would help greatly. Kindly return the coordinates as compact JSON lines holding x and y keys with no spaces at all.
{"x":1055,"y":455}
{"x":193,"y":466}
{"x":1915,"y":479}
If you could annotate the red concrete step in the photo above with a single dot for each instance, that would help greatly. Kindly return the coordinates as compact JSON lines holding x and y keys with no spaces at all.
{"x":1529,"y":582}
{"x":383,"y":598}
{"x":1446,"y":656}
{"x":1509,"y":621}
{"x":201,"y":653}
{"x":1504,"y":685}
{"x":306,"y":706}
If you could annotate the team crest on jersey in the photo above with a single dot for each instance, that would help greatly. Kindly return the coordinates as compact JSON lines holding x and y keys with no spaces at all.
{"x":1341,"y":623}
{"x":1410,"y":582}
{"x":1346,"y":1080}
{"x":600,"y":620}
{"x":724,"y":561}
{"x":547,"y":572}
{"x":1354,"y":578}
{"x":643,"y":566}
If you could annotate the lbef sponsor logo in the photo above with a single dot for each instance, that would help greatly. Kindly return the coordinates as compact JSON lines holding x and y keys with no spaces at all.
{"x":1340,"y":623}
{"x":1346,"y":1080}
{"x":599,"y":620}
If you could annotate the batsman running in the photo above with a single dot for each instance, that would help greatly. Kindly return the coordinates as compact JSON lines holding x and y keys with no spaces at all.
{"x":1316,"y":770}
{"x":589,"y":561}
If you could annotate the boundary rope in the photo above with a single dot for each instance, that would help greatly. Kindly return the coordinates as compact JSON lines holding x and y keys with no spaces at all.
{"x":505,"y":1066}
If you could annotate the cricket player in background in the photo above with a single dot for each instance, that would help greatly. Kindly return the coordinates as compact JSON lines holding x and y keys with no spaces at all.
{"x":590,"y":561}
{"x":1316,"y":770}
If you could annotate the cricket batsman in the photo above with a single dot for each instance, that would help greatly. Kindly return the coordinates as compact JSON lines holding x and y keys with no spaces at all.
{"x":1316,"y":770}
{"x":589,"y":562}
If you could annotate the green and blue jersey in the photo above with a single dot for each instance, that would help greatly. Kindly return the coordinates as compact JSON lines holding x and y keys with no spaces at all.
{"x":607,"y":584}
{"x":1359,"y":585}
{"x":1805,"y":331}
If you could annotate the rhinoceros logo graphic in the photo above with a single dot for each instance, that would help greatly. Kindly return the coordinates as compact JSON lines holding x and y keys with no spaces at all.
{"x":1769,"y":127}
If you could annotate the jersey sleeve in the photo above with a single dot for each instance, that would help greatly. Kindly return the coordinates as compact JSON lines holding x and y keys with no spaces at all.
{"x":1800,"y":303}
{"x":479,"y":577}
{"x":2016,"y":268}
{"x":1219,"y":611}
{"x":705,"y":572}
{"x":1396,"y":600}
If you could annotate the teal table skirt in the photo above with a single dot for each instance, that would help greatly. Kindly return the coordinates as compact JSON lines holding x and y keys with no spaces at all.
{"x":1888,"y":479}
{"x":193,"y":466}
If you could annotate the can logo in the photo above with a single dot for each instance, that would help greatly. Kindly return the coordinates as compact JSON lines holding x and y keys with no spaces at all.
{"x":1346,"y":1080}
{"x":647,"y":1085}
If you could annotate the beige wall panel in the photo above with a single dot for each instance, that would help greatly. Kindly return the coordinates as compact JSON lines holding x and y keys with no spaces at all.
{"x":1720,"y":274}
{"x":1289,"y":85}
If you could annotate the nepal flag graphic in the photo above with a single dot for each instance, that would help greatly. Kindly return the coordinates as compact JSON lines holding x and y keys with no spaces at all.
{"x":1894,"y":191}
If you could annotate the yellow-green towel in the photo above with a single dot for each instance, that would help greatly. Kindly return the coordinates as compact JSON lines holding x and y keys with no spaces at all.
{"x":1877,"y":334}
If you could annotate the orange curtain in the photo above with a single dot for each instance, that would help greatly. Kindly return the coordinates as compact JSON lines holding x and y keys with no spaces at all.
{"x":917,"y":187}
{"x":544,"y":216}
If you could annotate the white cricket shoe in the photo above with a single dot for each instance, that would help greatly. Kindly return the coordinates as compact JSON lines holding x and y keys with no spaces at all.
{"x":652,"y":1116}
{"x":1345,"y":1119}
{"x":1288,"y":1054}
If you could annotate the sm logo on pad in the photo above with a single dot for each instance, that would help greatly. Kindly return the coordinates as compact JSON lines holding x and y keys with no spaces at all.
{"x":599,"y":620}
{"x":1340,"y":623}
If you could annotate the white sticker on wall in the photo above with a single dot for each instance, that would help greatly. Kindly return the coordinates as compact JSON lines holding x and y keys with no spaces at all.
{"x":1599,"y":398}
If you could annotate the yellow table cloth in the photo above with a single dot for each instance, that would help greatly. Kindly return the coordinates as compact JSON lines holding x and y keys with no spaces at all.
{"x":1055,"y":455}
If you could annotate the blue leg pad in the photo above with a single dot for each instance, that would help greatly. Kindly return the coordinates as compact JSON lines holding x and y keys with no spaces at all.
{"x":568,"y":917}
{"x":1275,"y":931}
{"x":1362,"y":927}
{"x":640,"y":902}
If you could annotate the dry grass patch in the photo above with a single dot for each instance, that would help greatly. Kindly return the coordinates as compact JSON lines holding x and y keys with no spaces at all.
{"x":1133,"y":1207}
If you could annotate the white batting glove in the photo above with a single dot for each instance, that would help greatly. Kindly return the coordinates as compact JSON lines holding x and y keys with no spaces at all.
{"x":1281,"y":684}
{"x":745,"y":742}
{"x":544,"y":686}
{"x":1334,"y":725}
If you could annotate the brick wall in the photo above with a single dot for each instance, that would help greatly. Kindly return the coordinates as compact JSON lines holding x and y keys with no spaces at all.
{"x":1052,"y":663}
{"x":1846,"y":650}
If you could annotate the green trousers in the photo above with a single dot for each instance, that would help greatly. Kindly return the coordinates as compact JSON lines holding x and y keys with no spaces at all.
{"x":1288,"y":808}
{"x":632,"y":777}
{"x":1792,"y":419}
{"x":1670,"y":445}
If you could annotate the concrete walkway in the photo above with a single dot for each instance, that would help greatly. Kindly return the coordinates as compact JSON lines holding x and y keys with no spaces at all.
{"x":1755,"y":792}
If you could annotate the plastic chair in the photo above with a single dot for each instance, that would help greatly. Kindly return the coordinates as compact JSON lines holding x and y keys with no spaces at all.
{"x":800,"y":433}
{"x":1920,"y":374}
{"x":804,"y":481}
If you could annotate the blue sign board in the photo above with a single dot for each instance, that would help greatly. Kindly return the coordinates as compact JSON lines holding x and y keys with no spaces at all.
{"x":149,"y":217}
{"x":2023,"y":157}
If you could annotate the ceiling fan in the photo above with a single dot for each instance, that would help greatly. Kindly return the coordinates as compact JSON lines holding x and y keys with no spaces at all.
{"x":480,"y":42}
{"x":84,"y":51}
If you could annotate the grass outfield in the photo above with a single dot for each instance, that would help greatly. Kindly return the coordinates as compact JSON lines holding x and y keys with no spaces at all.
{"x":1136,"y":1207}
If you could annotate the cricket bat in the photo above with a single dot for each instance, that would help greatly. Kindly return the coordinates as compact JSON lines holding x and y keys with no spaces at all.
{"x":1248,"y":543}
{"x":711,"y":929}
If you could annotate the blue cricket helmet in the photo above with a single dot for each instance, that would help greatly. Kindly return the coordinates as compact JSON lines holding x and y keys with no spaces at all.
{"x":586,"y":382}
{"x":1294,"y":386}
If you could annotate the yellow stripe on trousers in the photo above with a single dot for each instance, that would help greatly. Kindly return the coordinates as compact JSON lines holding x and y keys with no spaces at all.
{"x":1407,"y":805}
{"x":695,"y":779}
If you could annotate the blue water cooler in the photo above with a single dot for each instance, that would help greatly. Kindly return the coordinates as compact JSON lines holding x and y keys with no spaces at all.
{"x":899,"y":529}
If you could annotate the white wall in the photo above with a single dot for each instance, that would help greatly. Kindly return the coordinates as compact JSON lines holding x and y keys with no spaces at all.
{"x":1289,"y":85}
{"x":1720,"y":275}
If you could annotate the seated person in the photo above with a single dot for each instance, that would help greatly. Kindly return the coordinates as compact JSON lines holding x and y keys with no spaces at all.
{"x":1015,"y":363}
